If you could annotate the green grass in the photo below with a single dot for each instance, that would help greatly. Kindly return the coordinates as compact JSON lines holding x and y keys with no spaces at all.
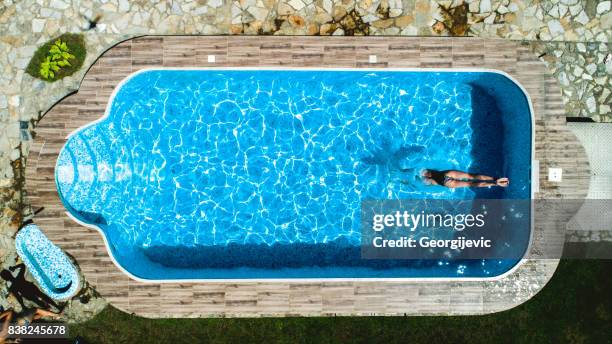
{"x":575,"y":307}
{"x":75,"y":43}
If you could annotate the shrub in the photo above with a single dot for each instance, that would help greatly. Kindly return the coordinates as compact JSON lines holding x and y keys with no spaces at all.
{"x":58,"y":58}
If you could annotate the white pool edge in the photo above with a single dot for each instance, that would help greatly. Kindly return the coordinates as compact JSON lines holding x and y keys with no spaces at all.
{"x":314,"y":280}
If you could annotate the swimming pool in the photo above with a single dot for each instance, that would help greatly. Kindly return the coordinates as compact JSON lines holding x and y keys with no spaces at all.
{"x":246,"y":174}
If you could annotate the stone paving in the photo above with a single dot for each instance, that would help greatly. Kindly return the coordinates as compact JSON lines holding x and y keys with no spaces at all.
{"x":583,"y":76}
{"x":573,"y":35}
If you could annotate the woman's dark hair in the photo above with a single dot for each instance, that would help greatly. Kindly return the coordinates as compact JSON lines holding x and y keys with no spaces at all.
{"x":437,"y":176}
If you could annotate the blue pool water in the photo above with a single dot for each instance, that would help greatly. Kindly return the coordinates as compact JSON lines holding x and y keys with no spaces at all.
{"x":260,"y":174}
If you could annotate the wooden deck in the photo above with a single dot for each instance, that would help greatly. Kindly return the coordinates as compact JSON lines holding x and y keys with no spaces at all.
{"x":555,"y":146}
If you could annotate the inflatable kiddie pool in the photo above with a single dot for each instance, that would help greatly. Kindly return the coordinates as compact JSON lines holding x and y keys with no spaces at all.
{"x":53,"y":271}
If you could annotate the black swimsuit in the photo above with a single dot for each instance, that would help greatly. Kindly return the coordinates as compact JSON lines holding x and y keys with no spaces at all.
{"x":439,"y":177}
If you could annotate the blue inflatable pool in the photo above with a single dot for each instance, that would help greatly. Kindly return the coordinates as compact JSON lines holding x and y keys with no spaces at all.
{"x":48,"y":264}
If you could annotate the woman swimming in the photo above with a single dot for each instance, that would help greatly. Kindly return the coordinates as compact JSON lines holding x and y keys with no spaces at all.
{"x":458,"y":179}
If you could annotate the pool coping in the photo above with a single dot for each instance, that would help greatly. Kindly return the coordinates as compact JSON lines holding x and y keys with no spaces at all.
{"x":118,"y":87}
{"x":553,"y":145}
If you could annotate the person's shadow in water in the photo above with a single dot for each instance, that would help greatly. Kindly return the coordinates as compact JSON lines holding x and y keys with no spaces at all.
{"x":386,"y":155}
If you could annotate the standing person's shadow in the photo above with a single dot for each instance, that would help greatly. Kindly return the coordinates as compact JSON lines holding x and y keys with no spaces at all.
{"x":23,"y":289}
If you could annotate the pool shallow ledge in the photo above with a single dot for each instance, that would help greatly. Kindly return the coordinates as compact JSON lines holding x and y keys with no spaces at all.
{"x":170,"y":278}
{"x":176,"y":275}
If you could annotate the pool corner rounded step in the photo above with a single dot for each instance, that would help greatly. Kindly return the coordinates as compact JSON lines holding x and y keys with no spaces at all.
{"x":53,"y":271}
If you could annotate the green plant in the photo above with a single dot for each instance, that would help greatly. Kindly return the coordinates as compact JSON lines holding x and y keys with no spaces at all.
{"x":58,"y":58}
